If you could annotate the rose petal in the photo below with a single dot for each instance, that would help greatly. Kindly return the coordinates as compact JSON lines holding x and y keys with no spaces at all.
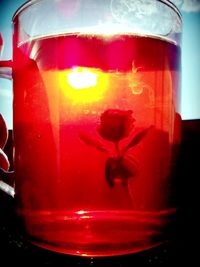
{"x":115,"y":124}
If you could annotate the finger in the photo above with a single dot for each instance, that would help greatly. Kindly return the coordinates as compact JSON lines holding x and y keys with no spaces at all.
{"x":4,"y":163}
{"x":3,"y":132}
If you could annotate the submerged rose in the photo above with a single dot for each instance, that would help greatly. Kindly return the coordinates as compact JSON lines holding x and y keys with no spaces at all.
{"x":116,"y":124}
{"x":120,"y":166}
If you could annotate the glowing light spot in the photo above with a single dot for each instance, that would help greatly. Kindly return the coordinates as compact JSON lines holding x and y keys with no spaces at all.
{"x":83,"y":85}
{"x":85,"y":217}
{"x":80,"y":212}
{"x":81,"y":78}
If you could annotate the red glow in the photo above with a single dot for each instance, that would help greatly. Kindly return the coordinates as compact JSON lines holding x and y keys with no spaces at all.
{"x":65,"y":197}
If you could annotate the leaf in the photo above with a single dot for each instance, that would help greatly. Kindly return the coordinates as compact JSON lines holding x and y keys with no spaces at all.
{"x":91,"y":141}
{"x":137,"y":138}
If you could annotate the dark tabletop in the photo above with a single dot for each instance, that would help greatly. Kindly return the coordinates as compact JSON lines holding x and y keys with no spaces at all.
{"x":15,"y":248}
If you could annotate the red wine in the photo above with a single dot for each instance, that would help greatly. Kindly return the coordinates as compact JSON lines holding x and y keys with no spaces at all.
{"x":96,"y":126}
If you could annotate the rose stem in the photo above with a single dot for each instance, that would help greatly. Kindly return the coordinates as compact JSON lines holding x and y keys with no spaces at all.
{"x":117,"y":150}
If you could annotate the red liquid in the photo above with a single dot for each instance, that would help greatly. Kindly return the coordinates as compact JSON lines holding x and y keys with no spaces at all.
{"x":63,"y":193}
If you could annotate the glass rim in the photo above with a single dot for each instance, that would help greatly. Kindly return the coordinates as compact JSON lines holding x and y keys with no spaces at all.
{"x":29,"y":3}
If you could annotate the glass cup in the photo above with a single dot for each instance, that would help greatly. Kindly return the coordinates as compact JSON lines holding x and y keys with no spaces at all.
{"x":96,"y":123}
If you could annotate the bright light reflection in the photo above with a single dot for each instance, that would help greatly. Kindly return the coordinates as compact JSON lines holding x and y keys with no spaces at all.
{"x":80,"y":212}
{"x":81,"y":78}
{"x":83,"y":85}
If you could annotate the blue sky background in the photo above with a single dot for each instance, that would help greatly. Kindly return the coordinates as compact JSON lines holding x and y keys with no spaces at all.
{"x":190,"y":106}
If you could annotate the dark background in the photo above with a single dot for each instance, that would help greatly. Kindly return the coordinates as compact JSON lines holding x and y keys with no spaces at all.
{"x":182,"y":249}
